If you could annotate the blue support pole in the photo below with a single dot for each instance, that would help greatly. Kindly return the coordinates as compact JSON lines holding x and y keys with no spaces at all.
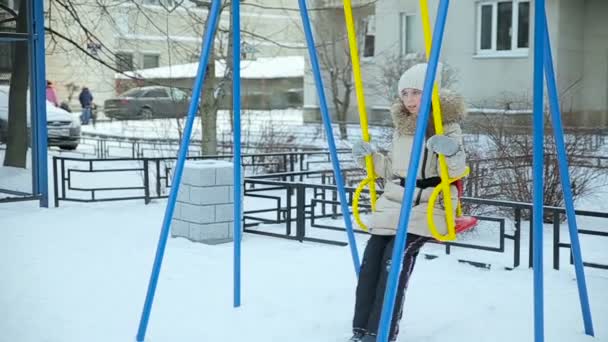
{"x":179,"y":167}
{"x":316,"y":70}
{"x":390,"y":293}
{"x":562,"y":158}
{"x":537,"y":172}
{"x":236,"y":100}
{"x":38,"y":103}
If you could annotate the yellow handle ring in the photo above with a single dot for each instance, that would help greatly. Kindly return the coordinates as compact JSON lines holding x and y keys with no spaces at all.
{"x":356,"y":198}
{"x":451,"y":233}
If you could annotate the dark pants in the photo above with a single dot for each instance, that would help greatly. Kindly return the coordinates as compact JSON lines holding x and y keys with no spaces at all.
{"x":86,"y":115}
{"x":372,"y":282}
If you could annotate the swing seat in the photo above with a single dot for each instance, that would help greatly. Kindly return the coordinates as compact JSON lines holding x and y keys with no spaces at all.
{"x":463,"y":223}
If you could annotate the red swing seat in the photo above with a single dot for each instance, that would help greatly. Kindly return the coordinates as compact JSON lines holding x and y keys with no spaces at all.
{"x":463,"y":223}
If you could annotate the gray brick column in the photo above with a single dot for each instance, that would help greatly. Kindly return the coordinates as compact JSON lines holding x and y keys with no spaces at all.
{"x":204,"y":208}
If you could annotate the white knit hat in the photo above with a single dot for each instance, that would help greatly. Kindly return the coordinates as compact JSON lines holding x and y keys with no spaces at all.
{"x":413,"y":77}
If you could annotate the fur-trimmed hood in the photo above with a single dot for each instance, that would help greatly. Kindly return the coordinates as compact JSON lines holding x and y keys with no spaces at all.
{"x":453,"y":110}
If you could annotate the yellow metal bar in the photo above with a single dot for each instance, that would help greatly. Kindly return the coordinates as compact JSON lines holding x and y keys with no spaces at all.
{"x":437,"y":119}
{"x":369,"y":161}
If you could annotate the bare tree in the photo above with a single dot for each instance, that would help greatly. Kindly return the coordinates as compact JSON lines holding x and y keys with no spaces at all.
{"x":214,"y":91}
{"x":335,"y":63}
{"x":98,"y":22}
{"x":507,"y":163}
{"x":393,"y":65}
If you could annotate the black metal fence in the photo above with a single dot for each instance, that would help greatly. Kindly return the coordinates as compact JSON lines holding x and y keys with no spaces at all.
{"x":105,"y":146}
{"x":299,"y":207}
{"x":301,"y":197}
{"x":150,"y":178}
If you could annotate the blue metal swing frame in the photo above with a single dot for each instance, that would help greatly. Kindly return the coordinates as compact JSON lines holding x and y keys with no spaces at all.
{"x":542,"y":62}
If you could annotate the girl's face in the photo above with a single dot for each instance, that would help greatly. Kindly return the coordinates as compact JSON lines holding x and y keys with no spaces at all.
{"x":411,"y":99}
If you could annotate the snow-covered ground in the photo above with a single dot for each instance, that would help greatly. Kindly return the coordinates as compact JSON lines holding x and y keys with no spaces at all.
{"x":15,"y":179}
{"x":80,"y":272}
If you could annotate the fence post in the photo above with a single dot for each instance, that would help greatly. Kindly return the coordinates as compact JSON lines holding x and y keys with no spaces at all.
{"x":157,"y":161}
{"x":300,"y":212}
{"x":301,"y":166}
{"x":517,"y":240}
{"x":334,"y":207}
{"x":288,"y":192}
{"x":146,"y":182}
{"x":323,"y":196}
{"x":63,"y":179}
{"x":556,"y":239}
{"x":285,"y":164}
{"x":292,"y":165}
{"x":106,"y":150}
{"x":531,"y":244}
{"x":55,"y":184}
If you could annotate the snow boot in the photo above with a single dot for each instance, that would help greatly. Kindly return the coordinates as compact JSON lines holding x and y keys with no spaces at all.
{"x":357,"y":336}
{"x":369,"y":338}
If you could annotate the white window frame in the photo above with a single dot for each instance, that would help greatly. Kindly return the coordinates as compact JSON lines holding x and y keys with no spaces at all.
{"x":150,"y":53}
{"x":158,"y":3}
{"x":406,"y":46}
{"x":369,"y":23}
{"x":493,"y":52}
{"x":121,"y":22}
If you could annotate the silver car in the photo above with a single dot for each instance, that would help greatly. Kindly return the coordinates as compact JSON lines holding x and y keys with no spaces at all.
{"x":63,"y":127}
{"x":148,"y":103}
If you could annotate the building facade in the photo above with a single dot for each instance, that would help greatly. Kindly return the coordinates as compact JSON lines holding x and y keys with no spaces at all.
{"x":488,"y":44}
{"x":142,"y":34}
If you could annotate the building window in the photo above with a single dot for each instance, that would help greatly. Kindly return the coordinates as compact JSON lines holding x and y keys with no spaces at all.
{"x":121,"y":22}
{"x":150,"y":61}
{"x":503,"y":27}
{"x":124,"y":61}
{"x":406,"y":33}
{"x":167,"y":3}
{"x":369,"y":42}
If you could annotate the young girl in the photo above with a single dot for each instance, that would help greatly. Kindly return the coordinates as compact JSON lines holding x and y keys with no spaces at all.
{"x":375,"y":266}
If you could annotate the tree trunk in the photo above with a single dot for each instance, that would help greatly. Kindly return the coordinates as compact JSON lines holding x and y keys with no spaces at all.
{"x":17,"y":137}
{"x":229,"y":74}
{"x":343,"y":114}
{"x":209,"y":104}
{"x":208,"y":109}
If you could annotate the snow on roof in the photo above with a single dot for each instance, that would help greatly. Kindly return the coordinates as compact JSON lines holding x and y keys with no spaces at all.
{"x":261,"y":68}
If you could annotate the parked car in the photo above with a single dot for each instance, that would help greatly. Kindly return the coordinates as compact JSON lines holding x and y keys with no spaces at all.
{"x":63,"y":127}
{"x":148,"y":103}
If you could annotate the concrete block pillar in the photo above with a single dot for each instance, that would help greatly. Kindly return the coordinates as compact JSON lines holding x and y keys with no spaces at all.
{"x":204,"y":208}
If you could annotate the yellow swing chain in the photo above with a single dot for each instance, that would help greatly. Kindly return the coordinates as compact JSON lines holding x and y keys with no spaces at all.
{"x":437,"y":119}
{"x":369,"y":161}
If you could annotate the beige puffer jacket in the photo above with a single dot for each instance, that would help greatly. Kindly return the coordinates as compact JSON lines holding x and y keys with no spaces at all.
{"x":385,"y":219}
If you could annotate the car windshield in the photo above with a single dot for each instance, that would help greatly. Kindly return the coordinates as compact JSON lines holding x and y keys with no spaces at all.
{"x":135,"y":92}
